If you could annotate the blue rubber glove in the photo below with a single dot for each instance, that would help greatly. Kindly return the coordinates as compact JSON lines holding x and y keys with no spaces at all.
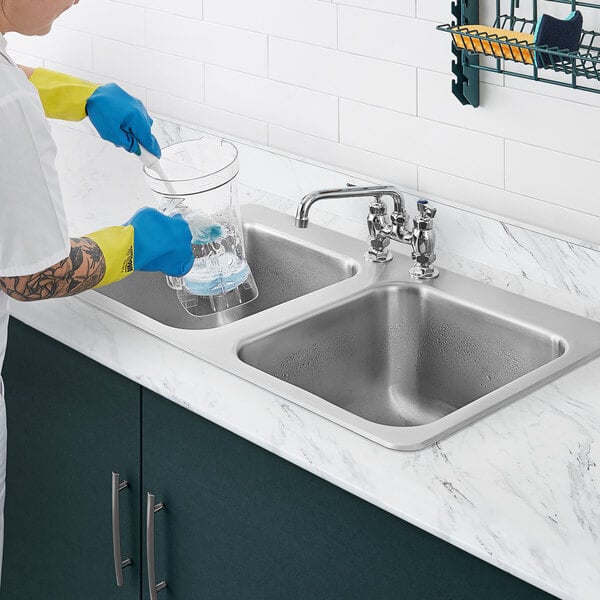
{"x":161,"y":243}
{"x":121,"y":119}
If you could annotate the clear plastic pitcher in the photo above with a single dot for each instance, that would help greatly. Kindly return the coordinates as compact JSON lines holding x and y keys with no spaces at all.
{"x":197,"y":179}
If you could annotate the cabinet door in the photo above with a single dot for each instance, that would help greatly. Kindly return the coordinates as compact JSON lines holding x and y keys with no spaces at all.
{"x":71,"y":422}
{"x":241,"y":523}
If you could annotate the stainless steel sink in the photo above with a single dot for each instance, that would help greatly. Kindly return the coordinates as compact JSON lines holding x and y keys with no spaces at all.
{"x":406,"y":363}
{"x":402,"y":355}
{"x":283,"y":269}
{"x":400,"y":361}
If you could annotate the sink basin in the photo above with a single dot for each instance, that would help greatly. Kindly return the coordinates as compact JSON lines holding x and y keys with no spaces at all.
{"x":399,"y":361}
{"x":406,"y":363}
{"x":283,"y":269}
{"x":402,"y":355}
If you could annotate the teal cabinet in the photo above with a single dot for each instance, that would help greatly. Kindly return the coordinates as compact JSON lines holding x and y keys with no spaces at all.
{"x":238,"y":521}
{"x":241,"y":523}
{"x":71,"y":423}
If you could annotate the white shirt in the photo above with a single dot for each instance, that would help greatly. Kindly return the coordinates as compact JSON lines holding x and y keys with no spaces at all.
{"x":33,"y":227}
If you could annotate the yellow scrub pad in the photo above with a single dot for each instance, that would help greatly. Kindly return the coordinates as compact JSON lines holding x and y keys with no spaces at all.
{"x":490,"y":42}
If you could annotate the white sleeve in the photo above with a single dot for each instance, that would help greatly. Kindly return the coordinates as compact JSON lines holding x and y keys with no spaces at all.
{"x":33,"y":227}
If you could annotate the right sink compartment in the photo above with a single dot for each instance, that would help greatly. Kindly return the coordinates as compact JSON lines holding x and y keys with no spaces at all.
{"x":406,"y":364}
{"x":401,"y":355}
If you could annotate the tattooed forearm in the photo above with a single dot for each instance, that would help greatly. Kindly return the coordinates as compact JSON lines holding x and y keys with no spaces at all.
{"x":82,"y":270}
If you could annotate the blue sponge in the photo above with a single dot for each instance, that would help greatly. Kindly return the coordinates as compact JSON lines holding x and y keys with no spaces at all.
{"x":557,"y":34}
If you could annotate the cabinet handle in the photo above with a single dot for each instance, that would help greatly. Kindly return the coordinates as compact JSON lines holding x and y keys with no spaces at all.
{"x":151,"y":509}
{"x":120,"y":563}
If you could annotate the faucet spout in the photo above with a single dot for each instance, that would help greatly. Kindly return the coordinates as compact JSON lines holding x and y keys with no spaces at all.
{"x":375,"y":191}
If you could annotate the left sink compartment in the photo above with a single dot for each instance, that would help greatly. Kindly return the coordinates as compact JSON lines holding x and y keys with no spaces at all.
{"x":284,"y":268}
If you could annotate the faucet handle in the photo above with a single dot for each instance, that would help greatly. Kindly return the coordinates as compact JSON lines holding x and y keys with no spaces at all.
{"x":426,"y":212}
{"x":423,"y":242}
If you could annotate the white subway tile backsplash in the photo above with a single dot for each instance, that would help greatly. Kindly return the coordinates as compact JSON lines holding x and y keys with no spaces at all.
{"x":556,"y":91}
{"x":400,"y":39}
{"x":309,"y":21}
{"x":368,"y":80}
{"x":292,"y":179}
{"x":535,"y":213}
{"x":434,"y":10}
{"x":278,"y":103}
{"x":170,"y":74}
{"x":439,"y":11}
{"x":107,"y":18}
{"x":197,"y":40}
{"x":530,"y":118}
{"x":66,"y":46}
{"x":450,"y":149}
{"x":554,"y":177}
{"x":398,"y":7}
{"x":358,"y":161}
{"x":207,"y":117}
{"x":188,"y":8}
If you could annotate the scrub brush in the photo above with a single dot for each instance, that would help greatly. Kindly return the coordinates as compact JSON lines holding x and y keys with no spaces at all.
{"x":204,"y":229}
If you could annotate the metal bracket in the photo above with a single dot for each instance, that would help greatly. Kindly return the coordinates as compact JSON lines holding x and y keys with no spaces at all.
{"x":466,"y":85}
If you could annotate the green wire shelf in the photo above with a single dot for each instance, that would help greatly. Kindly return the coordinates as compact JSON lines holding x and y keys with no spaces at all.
{"x":469,"y":43}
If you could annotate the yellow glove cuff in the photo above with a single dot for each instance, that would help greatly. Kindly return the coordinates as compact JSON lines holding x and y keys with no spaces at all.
{"x":116,"y":244}
{"x":63,"y":97}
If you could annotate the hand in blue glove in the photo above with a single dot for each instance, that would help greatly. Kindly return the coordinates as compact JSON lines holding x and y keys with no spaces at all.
{"x":121,"y":119}
{"x":161,"y":243}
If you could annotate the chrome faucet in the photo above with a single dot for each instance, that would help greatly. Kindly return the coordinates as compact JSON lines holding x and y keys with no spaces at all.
{"x":383,"y":228}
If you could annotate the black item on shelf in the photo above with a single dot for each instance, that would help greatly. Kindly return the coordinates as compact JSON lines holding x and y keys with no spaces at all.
{"x":559,"y":34}
{"x":577,"y":66}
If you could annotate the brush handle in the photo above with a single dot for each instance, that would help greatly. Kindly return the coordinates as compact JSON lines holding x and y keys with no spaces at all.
{"x":147,"y":158}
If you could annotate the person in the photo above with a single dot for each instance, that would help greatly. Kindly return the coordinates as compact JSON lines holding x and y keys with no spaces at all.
{"x":38,"y":260}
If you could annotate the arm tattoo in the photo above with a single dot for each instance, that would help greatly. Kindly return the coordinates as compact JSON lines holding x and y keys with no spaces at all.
{"x":82,"y":270}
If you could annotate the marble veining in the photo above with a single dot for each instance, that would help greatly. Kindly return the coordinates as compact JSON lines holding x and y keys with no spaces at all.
{"x":520,"y":488}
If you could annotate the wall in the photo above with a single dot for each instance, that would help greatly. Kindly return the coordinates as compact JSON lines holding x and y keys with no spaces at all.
{"x":360,"y":84}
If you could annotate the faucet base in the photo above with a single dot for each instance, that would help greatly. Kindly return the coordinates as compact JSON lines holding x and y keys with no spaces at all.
{"x":423,"y":272}
{"x":378,"y":257}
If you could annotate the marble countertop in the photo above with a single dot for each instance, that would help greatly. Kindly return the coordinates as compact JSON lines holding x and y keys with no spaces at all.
{"x":520,"y":488}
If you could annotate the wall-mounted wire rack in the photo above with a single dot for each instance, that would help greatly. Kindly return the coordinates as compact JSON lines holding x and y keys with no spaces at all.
{"x":579,"y":69}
